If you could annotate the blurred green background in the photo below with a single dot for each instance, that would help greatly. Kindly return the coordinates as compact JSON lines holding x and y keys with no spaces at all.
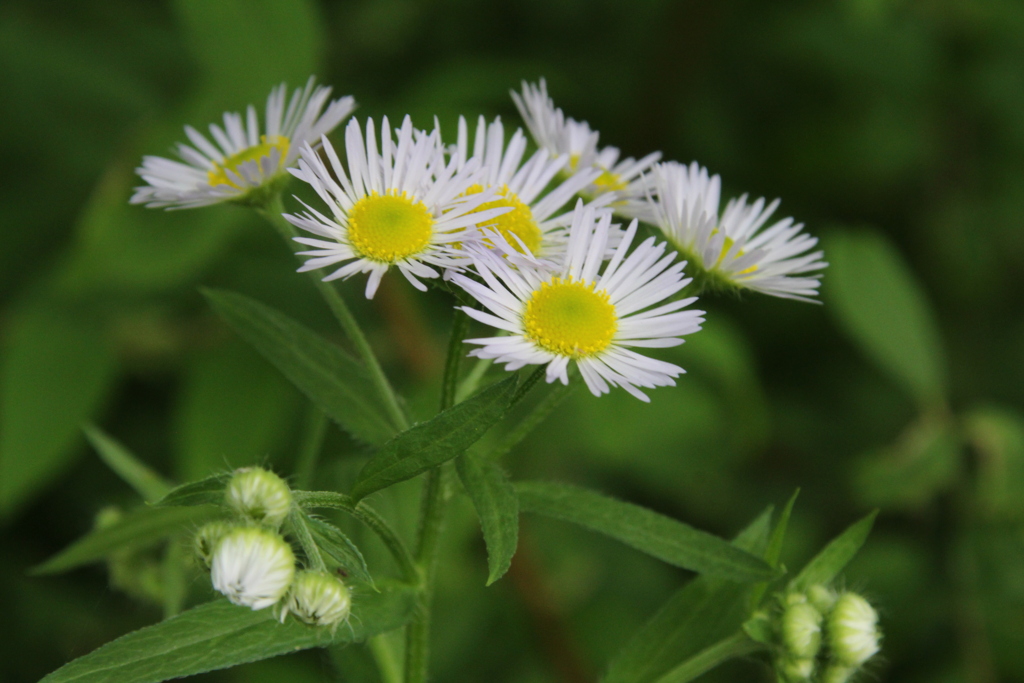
{"x":892,"y":128}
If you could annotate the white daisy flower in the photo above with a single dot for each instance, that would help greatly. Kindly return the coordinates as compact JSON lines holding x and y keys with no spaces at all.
{"x":241,"y":159}
{"x":252,"y":566}
{"x":556,"y":134}
{"x":532,"y":223}
{"x":732,"y":250}
{"x":581,"y":312}
{"x":400,"y":207}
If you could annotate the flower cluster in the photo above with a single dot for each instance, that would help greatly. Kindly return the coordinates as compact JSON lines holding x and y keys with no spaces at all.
{"x":561,"y":282}
{"x":253,"y":565}
{"x":824,"y":636}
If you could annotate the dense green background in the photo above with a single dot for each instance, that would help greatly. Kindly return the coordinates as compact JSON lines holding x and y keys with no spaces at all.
{"x":892,"y":128}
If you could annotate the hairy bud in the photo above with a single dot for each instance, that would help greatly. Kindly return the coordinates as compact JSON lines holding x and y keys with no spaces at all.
{"x":259,"y":495}
{"x":318,"y":598}
{"x":252,"y":566}
{"x":852,"y":630}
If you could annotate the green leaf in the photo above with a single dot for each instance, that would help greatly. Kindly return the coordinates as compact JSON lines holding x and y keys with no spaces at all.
{"x":218,"y":635}
{"x":880,"y":304}
{"x":331,"y":378}
{"x":827,"y":564}
{"x":655,"y":534}
{"x":150,"y":485}
{"x":497,"y":506}
{"x":702,"y":613}
{"x":438,"y":440}
{"x":997,"y":435}
{"x":910,"y":473}
{"x":737,"y":645}
{"x":56,"y":370}
{"x":774,"y":552}
{"x":209,"y":491}
{"x":137,"y":529}
{"x":233,"y":409}
{"x":333,"y":541}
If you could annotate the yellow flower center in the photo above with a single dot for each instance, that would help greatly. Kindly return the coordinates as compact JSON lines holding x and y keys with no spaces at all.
{"x":390,"y":227}
{"x":608,"y":181}
{"x":726,"y":246}
{"x":570,"y":319}
{"x":218,"y":174}
{"x":519,"y":221}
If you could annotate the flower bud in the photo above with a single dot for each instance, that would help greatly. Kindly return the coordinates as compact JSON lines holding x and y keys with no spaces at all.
{"x":822,"y":598}
{"x":837,"y":673}
{"x":801,"y":630}
{"x":853,"y":630}
{"x":259,"y":495}
{"x":318,"y":598}
{"x":252,"y":567}
{"x":796,"y":670}
{"x":206,"y":539}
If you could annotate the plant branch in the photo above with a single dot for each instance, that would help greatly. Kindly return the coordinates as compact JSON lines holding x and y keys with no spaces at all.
{"x":272,"y":211}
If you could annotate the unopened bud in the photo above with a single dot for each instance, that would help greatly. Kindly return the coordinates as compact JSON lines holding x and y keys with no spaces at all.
{"x":853,"y":630}
{"x":318,"y":598}
{"x":206,"y":540}
{"x":259,"y":496}
{"x":837,"y":673}
{"x":253,"y":567}
{"x":796,"y":670}
{"x":801,"y":631}
{"x":822,"y":598}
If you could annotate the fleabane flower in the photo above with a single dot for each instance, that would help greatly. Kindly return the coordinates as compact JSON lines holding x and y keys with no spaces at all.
{"x":403,"y":206}
{"x":733,"y":249}
{"x":243,"y":156}
{"x":583,"y":311}
{"x":252,"y":567}
{"x":533,"y":223}
{"x":558,"y":134}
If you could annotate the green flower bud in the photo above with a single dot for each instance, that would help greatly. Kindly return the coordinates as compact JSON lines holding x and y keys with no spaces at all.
{"x":801,"y":631}
{"x":796,"y":670}
{"x":837,"y":673}
{"x":822,"y":598}
{"x":852,"y":630}
{"x":318,"y":598}
{"x":252,"y":567}
{"x":259,"y":496}
{"x":206,"y":539}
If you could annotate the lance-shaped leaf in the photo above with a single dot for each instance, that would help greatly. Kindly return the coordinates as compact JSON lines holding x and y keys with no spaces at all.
{"x":497,"y":506}
{"x":209,"y":491}
{"x":697,"y":617}
{"x":655,"y":534}
{"x":332,"y":379}
{"x":137,"y":529}
{"x":218,"y":635}
{"x":436,"y":441}
{"x":147,"y":483}
{"x":827,"y":564}
{"x":334,"y":543}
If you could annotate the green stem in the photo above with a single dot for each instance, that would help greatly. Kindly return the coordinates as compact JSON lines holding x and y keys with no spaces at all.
{"x":736,"y":645}
{"x":305,"y":537}
{"x":272,"y":211}
{"x":538,"y":414}
{"x":372,"y":519}
{"x":436,"y":491}
{"x":312,"y":443}
{"x":384,"y":655}
{"x":472,"y":379}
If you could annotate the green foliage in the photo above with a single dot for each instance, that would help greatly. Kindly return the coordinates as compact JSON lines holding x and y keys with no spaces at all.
{"x":333,"y":541}
{"x":147,"y":483}
{"x":57,"y":370}
{"x":137,"y":529}
{"x":662,"y":537}
{"x":826,"y":565}
{"x":323,"y":372}
{"x":882,"y":307}
{"x":497,"y":506}
{"x":699,"y":615}
{"x":998,"y":436}
{"x":218,"y":635}
{"x":209,"y":491}
{"x":436,"y":441}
